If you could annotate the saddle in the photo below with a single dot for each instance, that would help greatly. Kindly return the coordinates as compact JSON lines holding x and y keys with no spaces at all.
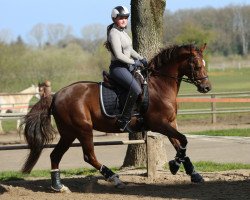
{"x":113,"y":97}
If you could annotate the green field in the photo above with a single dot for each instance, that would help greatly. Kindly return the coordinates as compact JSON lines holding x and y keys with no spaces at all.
{"x":65,"y":66}
{"x":228,"y":80}
{"x":230,"y":132}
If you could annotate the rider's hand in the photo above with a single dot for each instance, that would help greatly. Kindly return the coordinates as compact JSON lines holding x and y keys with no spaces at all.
{"x":144,"y":62}
{"x":135,"y":66}
{"x":138,"y":63}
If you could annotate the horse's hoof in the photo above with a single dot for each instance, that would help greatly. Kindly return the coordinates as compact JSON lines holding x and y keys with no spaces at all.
{"x":64,"y":189}
{"x":196,"y":178}
{"x":116,"y":181}
{"x":120,"y":185}
{"x":173,"y":166}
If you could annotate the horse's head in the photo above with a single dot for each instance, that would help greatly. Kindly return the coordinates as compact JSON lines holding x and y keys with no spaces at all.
{"x":194,"y":68}
{"x":177,"y":61}
{"x":44,"y":88}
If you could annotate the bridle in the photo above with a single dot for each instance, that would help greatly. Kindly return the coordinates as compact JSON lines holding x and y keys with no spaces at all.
{"x":194,"y":79}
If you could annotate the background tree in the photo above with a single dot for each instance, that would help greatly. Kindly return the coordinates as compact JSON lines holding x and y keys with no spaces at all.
{"x":58,"y":32}
{"x":191,"y":33}
{"x":93,"y":35}
{"x":241,"y":27}
{"x":147,"y":31}
{"x":37,"y":34}
{"x":6,"y":36}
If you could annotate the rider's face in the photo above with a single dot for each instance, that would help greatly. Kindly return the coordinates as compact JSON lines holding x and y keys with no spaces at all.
{"x":121,"y":22}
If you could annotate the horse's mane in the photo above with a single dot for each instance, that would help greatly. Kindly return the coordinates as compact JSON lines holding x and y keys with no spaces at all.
{"x":168,"y":55}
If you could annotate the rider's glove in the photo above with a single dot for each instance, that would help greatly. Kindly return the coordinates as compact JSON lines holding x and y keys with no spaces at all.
{"x":135,"y":66}
{"x":144,"y":62}
{"x":138,"y":63}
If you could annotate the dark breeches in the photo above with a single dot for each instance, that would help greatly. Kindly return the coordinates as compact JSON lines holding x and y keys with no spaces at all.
{"x":123,"y":77}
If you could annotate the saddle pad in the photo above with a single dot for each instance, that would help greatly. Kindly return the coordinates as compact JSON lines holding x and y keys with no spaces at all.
{"x":109,"y":101}
{"x":111,"y":106}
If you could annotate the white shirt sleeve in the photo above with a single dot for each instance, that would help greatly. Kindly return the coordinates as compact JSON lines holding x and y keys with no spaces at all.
{"x":115,"y":42}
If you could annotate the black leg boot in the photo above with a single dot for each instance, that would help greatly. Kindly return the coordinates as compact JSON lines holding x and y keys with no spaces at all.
{"x":124,"y":120}
{"x":189,"y":168}
{"x":111,"y":177}
{"x":56,"y":184}
{"x":175,"y":164}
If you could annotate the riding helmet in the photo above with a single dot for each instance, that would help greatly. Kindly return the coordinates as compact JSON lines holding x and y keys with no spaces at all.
{"x":119,"y":11}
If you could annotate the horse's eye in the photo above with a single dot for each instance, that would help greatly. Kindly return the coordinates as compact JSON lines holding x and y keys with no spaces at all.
{"x":197,"y":68}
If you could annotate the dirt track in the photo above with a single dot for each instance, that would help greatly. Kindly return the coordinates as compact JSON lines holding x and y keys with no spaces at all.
{"x":223,"y":185}
{"x":226,"y":185}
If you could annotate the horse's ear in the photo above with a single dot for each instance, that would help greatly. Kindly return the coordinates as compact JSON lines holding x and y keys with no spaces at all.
{"x":203,"y":47}
{"x":47,"y":83}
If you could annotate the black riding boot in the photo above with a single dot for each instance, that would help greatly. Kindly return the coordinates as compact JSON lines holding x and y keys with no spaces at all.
{"x":124,"y":119}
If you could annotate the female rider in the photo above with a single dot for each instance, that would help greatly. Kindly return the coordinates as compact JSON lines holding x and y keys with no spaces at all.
{"x":124,"y":59}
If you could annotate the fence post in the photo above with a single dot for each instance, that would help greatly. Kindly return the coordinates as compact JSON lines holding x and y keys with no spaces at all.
{"x":213,"y":108}
{"x":151,"y":156}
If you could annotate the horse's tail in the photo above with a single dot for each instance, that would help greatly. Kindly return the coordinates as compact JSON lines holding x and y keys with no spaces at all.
{"x":38,"y":131}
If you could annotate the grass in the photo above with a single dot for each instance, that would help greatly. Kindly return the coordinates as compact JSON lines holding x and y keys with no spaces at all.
{"x":16,"y":175}
{"x":202,"y":166}
{"x":208,"y":166}
{"x":228,"y":80}
{"x":230,"y":132}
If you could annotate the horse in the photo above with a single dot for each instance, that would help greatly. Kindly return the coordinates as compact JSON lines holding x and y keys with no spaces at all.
{"x":77,"y":112}
{"x":17,"y":103}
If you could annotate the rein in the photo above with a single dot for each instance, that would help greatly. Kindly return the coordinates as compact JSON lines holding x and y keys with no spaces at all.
{"x":193,"y":80}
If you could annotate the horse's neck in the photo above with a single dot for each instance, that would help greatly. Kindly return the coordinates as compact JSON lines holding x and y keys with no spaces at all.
{"x":28,"y":97}
{"x":167,"y":79}
{"x":166,"y":86}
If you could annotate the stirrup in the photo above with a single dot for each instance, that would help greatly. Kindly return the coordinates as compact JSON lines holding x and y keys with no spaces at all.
{"x":124,"y":126}
{"x":128,"y":129}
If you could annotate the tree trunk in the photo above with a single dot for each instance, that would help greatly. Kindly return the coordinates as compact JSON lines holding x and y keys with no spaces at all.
{"x":147,"y":31}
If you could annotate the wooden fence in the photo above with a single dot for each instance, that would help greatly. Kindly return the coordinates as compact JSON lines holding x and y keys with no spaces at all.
{"x":148,"y":141}
{"x":212,"y":98}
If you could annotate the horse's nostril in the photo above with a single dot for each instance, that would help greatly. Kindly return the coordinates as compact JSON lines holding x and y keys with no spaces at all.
{"x":208,"y":88}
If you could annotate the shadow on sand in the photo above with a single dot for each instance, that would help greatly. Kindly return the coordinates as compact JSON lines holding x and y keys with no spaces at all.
{"x":96,"y":185}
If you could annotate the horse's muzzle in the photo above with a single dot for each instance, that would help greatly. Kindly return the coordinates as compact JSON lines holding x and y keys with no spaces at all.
{"x":204,"y":87}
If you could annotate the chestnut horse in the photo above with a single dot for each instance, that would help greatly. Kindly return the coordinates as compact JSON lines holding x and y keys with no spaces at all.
{"x":77,"y":112}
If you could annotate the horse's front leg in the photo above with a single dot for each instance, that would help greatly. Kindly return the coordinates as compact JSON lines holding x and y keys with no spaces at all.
{"x":179,"y":141}
{"x":181,"y":158}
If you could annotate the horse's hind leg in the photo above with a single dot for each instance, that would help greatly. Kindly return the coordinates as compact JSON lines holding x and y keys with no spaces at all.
{"x":55,"y":157}
{"x":86,"y":141}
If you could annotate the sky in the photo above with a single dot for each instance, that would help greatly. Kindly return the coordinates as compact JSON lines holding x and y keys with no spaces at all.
{"x":17,"y":17}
